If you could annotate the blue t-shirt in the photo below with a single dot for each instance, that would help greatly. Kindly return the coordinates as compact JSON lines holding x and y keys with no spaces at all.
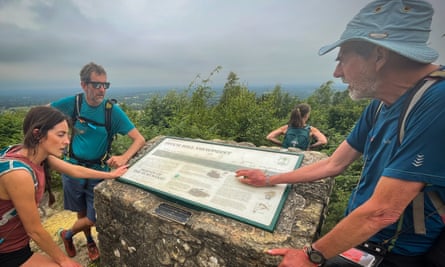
{"x":90,"y":141}
{"x":418,"y":158}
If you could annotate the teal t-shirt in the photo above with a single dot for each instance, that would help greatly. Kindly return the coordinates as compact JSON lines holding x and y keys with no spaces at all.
{"x":90,"y":141}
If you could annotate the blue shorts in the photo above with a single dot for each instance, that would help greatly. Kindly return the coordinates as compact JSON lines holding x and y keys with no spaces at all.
{"x":78,"y":195}
{"x":15,"y":258}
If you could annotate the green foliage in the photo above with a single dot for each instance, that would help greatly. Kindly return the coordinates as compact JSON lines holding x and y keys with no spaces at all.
{"x":281,"y":102}
{"x":11,"y":127}
{"x":240,"y":116}
{"x":193,"y":118}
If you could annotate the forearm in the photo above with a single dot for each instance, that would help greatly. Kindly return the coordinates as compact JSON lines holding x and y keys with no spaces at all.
{"x":77,"y":171}
{"x":275,"y":141}
{"x":318,"y":143}
{"x":384,"y":208}
{"x":348,"y":233}
{"x":133,"y":149}
{"x":329,"y":167}
{"x":309,"y":173}
{"x":43,"y":239}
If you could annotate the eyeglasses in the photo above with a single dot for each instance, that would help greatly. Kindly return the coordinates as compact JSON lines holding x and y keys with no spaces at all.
{"x":98,"y":85}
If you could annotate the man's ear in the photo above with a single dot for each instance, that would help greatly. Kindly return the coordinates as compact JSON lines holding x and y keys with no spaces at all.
{"x":83,"y":85}
{"x":381,"y":56}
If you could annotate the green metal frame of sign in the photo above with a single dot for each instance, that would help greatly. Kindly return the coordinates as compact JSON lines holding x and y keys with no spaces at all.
{"x":203,"y":207}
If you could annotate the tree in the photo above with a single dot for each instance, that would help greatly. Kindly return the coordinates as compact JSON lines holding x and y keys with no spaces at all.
{"x":282,"y":102}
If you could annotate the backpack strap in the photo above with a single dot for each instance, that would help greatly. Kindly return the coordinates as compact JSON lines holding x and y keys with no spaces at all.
{"x":419,"y":210}
{"x":76,"y":114}
{"x":419,"y":200}
{"x":110,"y":136}
{"x":16,"y":164}
{"x":77,"y":106}
{"x":414,"y":96}
{"x":91,"y":123}
{"x":74,"y":117}
{"x":418,"y":214}
{"x":13,"y":164}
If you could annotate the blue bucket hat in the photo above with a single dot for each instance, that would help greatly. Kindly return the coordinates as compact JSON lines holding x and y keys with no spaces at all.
{"x":402,"y":26}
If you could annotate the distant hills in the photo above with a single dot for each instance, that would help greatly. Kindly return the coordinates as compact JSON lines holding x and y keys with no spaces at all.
{"x":133,"y":96}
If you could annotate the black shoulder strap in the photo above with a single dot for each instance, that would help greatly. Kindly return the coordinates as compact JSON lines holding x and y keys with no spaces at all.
{"x":110,"y":136}
{"x":77,"y":106}
{"x":74,"y":117}
{"x":108,"y":108}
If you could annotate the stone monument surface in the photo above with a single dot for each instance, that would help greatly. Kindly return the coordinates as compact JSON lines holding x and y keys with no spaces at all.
{"x":132,"y":233}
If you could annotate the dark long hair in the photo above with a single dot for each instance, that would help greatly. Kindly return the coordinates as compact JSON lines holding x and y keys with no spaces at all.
{"x":42,"y":118}
{"x":297,"y":115}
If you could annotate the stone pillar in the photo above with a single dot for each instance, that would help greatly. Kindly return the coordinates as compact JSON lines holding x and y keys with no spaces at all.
{"x":131,"y":234}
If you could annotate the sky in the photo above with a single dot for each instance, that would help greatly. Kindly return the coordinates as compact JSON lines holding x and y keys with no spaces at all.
{"x":45,"y":43}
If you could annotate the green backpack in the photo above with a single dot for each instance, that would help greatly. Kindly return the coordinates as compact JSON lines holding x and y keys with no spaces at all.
{"x":297,"y":137}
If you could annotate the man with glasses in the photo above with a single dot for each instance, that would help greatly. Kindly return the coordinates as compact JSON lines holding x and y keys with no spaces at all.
{"x":90,"y":148}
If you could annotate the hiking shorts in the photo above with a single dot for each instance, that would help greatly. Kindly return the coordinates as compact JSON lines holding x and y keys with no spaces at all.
{"x":78,"y":195}
{"x":15,"y":258}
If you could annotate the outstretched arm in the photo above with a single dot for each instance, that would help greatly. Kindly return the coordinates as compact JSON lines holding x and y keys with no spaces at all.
{"x":78,"y":171}
{"x":343,"y":156}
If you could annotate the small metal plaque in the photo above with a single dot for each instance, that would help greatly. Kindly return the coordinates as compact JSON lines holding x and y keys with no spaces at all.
{"x":173,"y":213}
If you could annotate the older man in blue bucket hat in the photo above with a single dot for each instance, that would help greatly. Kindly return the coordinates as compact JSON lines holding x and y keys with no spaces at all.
{"x":395,"y":215}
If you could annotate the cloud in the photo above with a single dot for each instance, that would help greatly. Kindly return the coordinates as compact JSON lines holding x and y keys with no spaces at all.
{"x":151,"y":43}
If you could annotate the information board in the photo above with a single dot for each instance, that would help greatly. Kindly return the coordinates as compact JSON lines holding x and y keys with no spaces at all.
{"x":201,"y":174}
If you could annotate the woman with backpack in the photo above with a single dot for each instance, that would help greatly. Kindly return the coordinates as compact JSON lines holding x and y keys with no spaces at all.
{"x":24,"y":176}
{"x":297,"y":133}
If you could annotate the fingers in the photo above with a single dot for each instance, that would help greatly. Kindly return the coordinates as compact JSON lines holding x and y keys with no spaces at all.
{"x":242,"y":172}
{"x":253,"y":177}
{"x":277,"y":251}
{"x":247,"y":172}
